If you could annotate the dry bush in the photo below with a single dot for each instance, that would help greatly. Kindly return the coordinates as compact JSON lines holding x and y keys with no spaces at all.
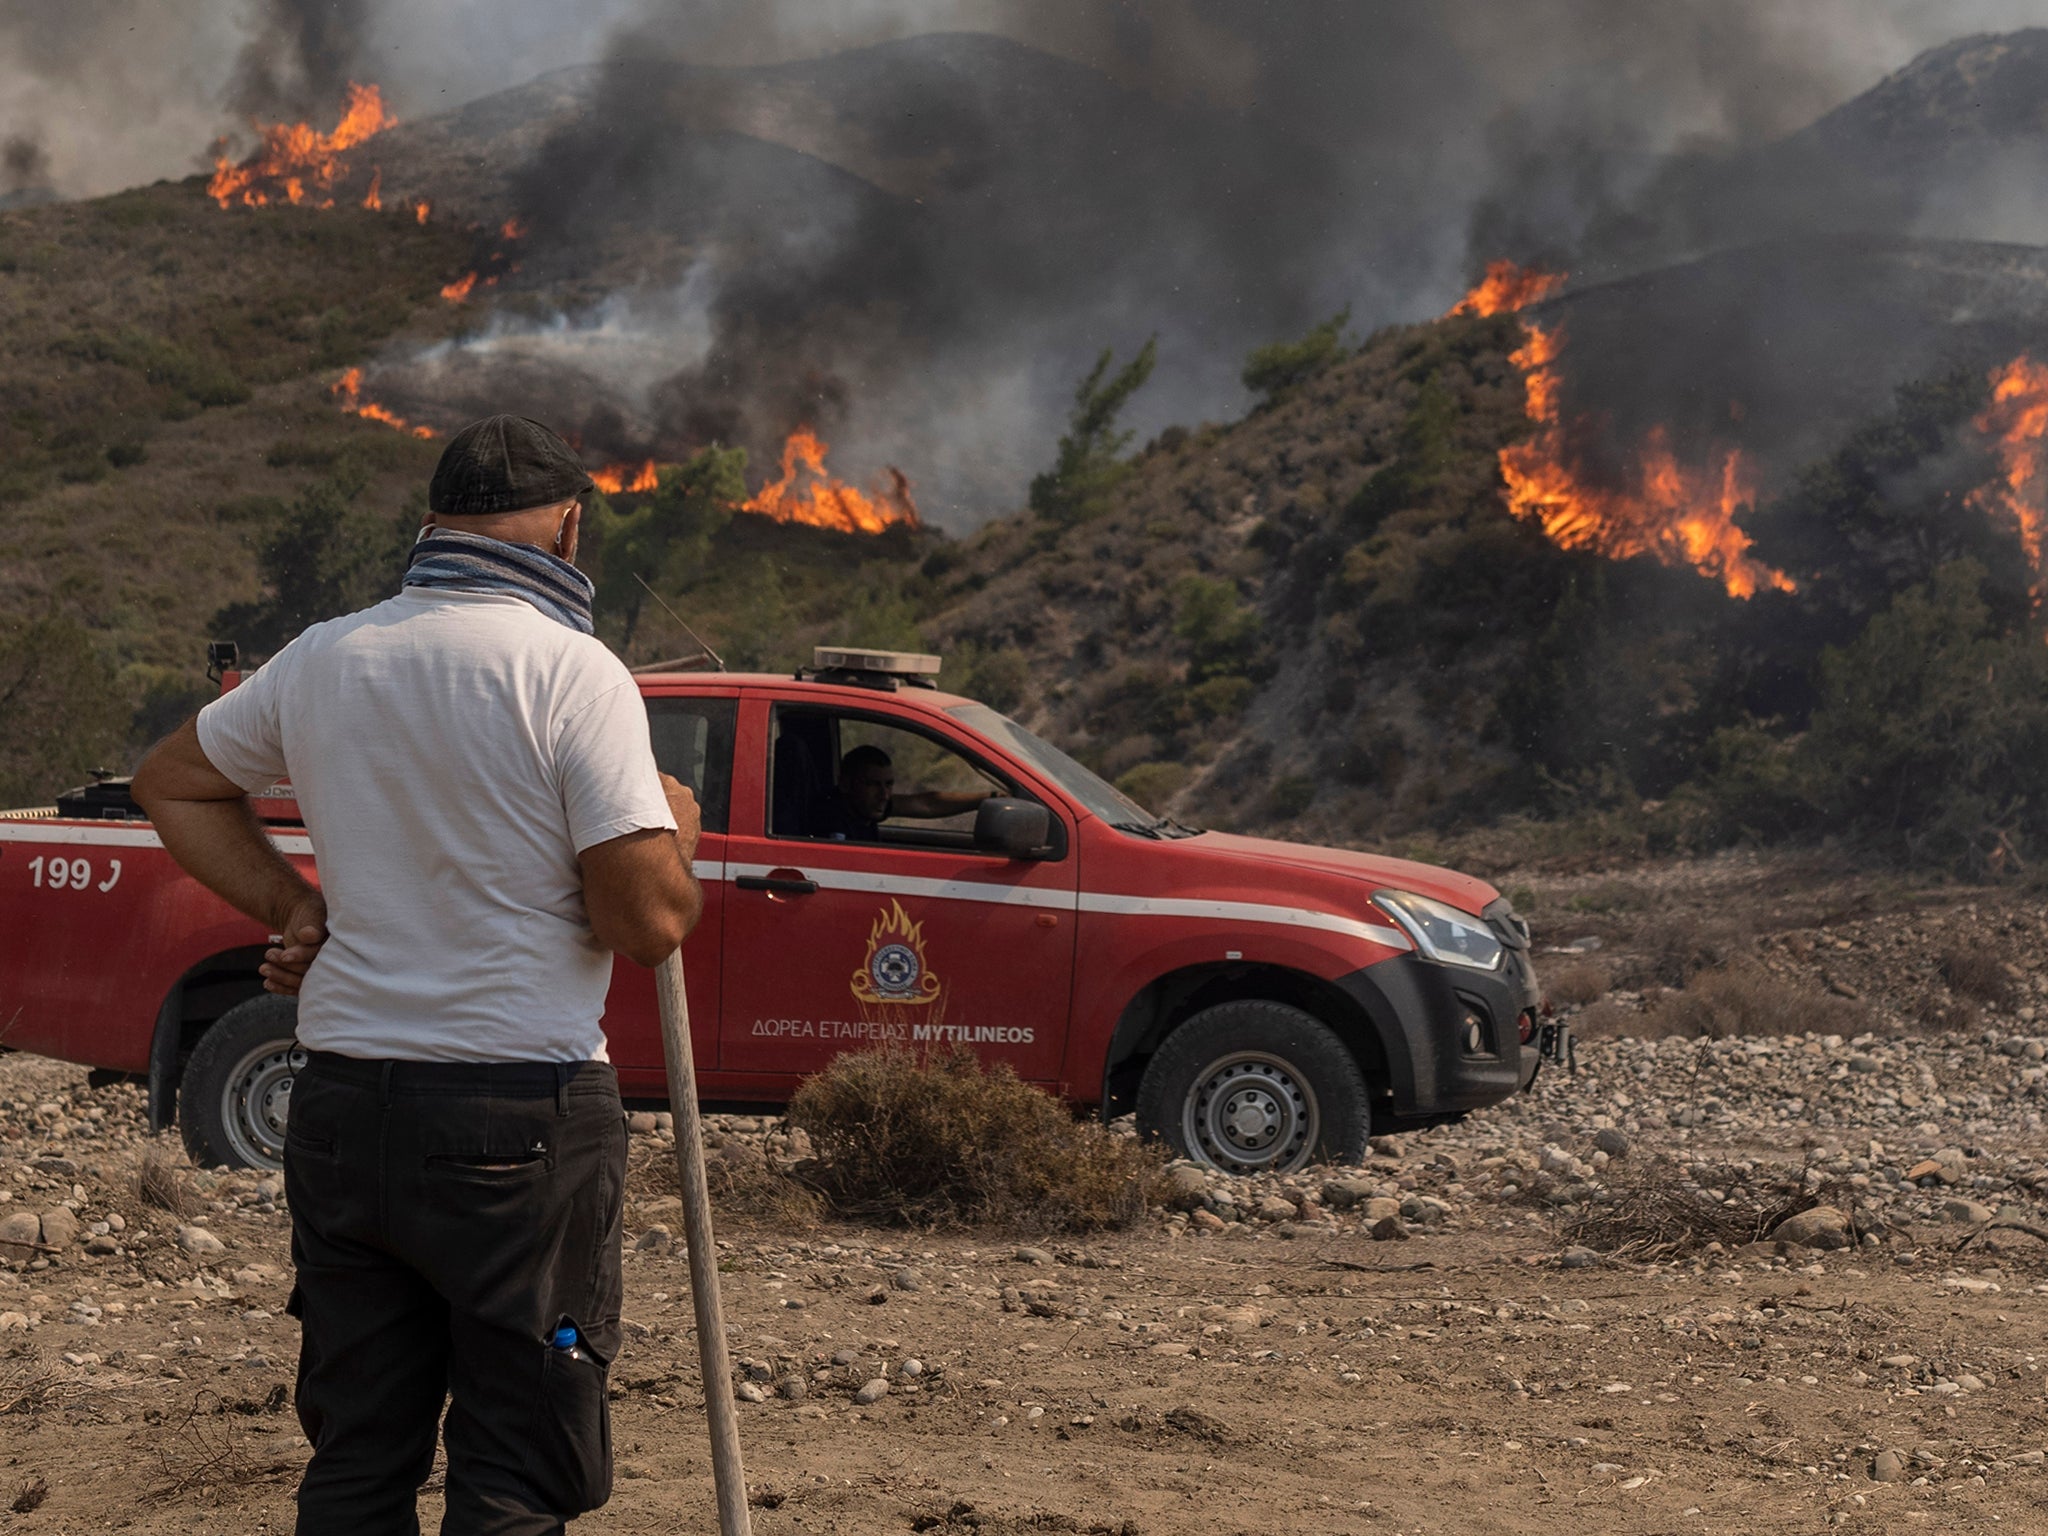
{"x":943,"y":1140}
{"x":29,"y":1494}
{"x":165,"y":1182}
{"x":210,"y":1460}
{"x":1608,"y":1020}
{"x":1650,"y":1212}
{"x":1975,"y":971}
{"x":1747,"y":1000}
{"x":1576,"y":982}
{"x":29,"y":1386}
{"x":1957,"y":1015}
{"x":1670,"y":949}
{"x":762,"y":1191}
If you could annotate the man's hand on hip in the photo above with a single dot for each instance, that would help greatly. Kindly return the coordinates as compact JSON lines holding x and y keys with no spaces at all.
{"x":682,"y":804}
{"x":302,"y":930}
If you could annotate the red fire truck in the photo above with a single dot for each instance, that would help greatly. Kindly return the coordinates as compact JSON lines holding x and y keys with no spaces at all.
{"x":1260,"y":1005}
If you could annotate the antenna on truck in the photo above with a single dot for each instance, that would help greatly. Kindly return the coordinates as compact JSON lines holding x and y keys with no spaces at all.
{"x":704,"y":652}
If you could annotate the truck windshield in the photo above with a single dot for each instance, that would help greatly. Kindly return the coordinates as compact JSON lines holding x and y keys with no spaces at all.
{"x":1101,"y":798}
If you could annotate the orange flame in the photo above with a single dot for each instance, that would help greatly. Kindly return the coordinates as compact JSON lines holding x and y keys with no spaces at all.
{"x":513,"y":228}
{"x":348,"y":390}
{"x":2017,"y":418}
{"x":459,"y":290}
{"x":296,"y":156}
{"x":624,"y":479}
{"x":825,"y":502}
{"x":1675,"y":515}
{"x":1507,"y":288}
{"x":499,"y":262}
{"x":374,"y":198}
{"x":421,"y":209}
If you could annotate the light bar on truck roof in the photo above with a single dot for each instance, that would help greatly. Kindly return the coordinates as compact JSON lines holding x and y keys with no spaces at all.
{"x":842,"y":658}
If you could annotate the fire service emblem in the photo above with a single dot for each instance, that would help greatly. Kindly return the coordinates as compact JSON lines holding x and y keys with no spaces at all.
{"x":895,"y":971}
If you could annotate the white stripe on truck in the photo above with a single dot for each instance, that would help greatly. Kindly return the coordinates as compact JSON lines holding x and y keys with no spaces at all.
{"x":1109,"y":903}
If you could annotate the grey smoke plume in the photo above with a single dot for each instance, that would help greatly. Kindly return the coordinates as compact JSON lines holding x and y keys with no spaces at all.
{"x":301,"y":57}
{"x":918,"y":248}
{"x":24,"y":165}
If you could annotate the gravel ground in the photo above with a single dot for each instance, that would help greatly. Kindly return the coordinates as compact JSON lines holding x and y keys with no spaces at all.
{"x":1432,"y":1341}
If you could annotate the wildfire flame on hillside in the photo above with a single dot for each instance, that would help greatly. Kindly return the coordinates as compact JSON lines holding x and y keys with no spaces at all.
{"x":1507,"y":288}
{"x":2017,"y":419}
{"x":625,"y":479}
{"x":348,"y":390}
{"x":298,"y":162}
{"x":824,"y":502}
{"x":498,"y":264}
{"x":1676,"y":515}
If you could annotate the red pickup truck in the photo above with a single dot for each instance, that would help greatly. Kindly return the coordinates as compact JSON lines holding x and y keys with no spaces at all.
{"x":1259,"y":1004}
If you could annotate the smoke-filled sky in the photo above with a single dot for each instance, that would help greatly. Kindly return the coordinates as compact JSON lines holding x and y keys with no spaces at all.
{"x":1361,"y":152}
{"x":119,"y":92}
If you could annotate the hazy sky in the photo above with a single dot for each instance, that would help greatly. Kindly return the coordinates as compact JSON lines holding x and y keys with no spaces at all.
{"x":119,"y":92}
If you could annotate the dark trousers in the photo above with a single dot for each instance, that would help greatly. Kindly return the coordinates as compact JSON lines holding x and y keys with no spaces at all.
{"x":447,"y":1220}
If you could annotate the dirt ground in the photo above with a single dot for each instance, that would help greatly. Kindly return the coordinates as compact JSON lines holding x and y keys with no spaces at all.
{"x":1196,"y":1374}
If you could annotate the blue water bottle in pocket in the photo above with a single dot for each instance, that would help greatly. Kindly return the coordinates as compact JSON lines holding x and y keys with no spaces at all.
{"x":566,"y":1339}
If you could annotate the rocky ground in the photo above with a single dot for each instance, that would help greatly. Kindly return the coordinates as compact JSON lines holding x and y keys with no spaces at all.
{"x":1565,"y":1309}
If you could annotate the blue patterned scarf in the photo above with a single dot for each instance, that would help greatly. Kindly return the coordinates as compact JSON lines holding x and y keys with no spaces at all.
{"x":464,"y":562}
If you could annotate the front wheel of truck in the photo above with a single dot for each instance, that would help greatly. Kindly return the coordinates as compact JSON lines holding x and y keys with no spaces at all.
{"x":1256,"y":1087}
{"x":237,"y":1088}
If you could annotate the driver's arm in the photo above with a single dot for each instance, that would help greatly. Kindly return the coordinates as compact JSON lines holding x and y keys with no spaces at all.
{"x":933,"y":804}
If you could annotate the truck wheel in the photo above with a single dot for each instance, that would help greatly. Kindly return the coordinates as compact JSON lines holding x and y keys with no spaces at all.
{"x":237,"y":1088}
{"x":1256,"y":1087}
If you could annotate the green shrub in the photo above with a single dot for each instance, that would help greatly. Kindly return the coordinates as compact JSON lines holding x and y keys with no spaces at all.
{"x":1290,"y":797}
{"x":62,"y":710}
{"x":1091,"y":465}
{"x":1152,"y":785}
{"x":945,"y":1140}
{"x":1931,"y":738}
{"x":1276,"y":368}
{"x":324,"y":557}
{"x":1219,"y":629}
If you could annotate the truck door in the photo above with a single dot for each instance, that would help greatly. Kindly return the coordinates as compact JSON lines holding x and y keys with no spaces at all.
{"x":842,"y":934}
{"x":693,"y":740}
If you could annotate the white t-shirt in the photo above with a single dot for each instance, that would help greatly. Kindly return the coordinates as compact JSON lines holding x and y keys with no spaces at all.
{"x":452,"y":753}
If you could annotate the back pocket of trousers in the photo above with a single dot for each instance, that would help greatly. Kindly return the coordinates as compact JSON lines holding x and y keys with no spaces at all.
{"x":572,"y":1439}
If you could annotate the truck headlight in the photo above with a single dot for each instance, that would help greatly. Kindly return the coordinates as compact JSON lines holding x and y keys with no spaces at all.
{"x":1443,"y":933}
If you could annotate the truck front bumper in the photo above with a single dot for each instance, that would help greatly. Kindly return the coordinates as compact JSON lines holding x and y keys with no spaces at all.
{"x":1450,"y":1039}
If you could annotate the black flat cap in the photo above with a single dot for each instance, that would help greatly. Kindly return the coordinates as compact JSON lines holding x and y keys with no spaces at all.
{"x":504,"y":464}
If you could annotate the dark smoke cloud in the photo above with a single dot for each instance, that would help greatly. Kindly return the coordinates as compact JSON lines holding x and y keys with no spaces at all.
{"x":917,"y":241}
{"x":920,"y":245}
{"x":24,"y":164}
{"x":301,"y":58}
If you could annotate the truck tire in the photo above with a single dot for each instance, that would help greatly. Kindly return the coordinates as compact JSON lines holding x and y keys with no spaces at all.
{"x":1256,"y":1087}
{"x":237,"y":1086}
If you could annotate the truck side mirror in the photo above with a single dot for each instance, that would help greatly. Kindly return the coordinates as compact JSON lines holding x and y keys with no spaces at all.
{"x":1018,"y":828}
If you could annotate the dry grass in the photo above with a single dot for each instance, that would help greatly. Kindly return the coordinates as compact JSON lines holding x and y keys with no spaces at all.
{"x":1748,"y":1000}
{"x":945,"y":1141}
{"x":1608,"y":1020}
{"x":1576,"y":982}
{"x":28,"y":1386}
{"x":1671,"y":948}
{"x":761,"y":1191}
{"x":209,"y":1459}
{"x":1976,"y":972}
{"x":1650,"y":1212}
{"x":164,"y":1182}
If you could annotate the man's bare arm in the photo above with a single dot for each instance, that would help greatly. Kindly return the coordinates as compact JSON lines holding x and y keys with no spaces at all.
{"x":639,"y":893}
{"x":933,"y":804}
{"x":207,"y":825}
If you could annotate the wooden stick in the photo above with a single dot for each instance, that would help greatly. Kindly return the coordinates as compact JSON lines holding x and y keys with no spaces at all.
{"x":716,"y":1359}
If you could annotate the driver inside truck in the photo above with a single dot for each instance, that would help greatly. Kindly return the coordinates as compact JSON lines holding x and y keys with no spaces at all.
{"x":865,"y":797}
